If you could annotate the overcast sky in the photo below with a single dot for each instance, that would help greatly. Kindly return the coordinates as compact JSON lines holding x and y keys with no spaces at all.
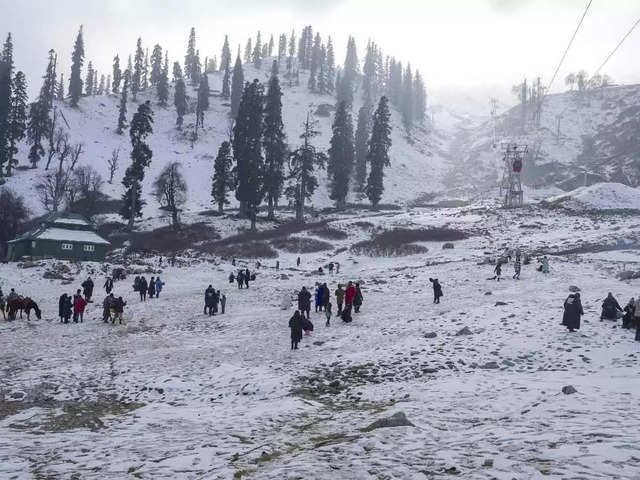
{"x":455,"y":43}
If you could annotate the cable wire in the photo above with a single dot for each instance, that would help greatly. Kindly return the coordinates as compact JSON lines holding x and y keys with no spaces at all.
{"x":618,"y":46}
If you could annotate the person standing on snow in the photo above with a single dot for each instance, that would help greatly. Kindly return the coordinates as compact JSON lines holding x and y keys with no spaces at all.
{"x":327,"y":313}
{"x":79,"y":305}
{"x":298,"y":262}
{"x":208,"y":300}
{"x":108,"y":285}
{"x":627,"y":319}
{"x":159,"y":285}
{"x":107,"y":305}
{"x":349,"y":295}
{"x":119,"y":305}
{"x":223,"y":302}
{"x":318,"y":297}
{"x":545,"y":265}
{"x":247,"y":277}
{"x":152,"y":287}
{"x":295,"y":324}
{"x":357,"y":300}
{"x":240,"y":279}
{"x":339,"y":298}
{"x":610,"y":308}
{"x":326,"y":295}
{"x":437,"y":290}
{"x":572,"y":312}
{"x":67,"y":307}
{"x":516,"y":267}
{"x":87,"y":289}
{"x":497,"y":271}
{"x":304,"y":301}
{"x":142,"y":288}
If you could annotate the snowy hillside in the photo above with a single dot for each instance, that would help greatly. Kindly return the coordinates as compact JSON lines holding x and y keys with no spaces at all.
{"x":602,"y":119}
{"x":601,"y":196}
{"x":417,"y":164}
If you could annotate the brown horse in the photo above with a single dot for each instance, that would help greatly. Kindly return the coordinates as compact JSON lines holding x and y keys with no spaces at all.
{"x":22,"y":304}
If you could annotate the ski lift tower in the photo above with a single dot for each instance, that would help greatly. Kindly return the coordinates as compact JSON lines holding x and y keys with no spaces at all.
{"x":511,"y":186}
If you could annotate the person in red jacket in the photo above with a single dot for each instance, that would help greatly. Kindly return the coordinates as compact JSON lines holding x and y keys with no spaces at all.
{"x":79,"y":305}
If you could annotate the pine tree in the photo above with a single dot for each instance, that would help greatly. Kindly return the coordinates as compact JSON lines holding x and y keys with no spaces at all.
{"x":322,"y":72}
{"x":144,"y":82}
{"x":274,"y":142}
{"x":107,"y":88}
{"x":6,"y":89}
{"x":349,"y":74}
{"x":94,"y":83}
{"x":237,"y":87}
{"x":330,"y":70}
{"x":60,"y":89}
{"x":225,"y":56}
{"x":257,"y":52}
{"x":39,"y":126}
{"x":177,"y":72}
{"x":303,"y":162}
{"x":315,"y":63}
{"x":370,"y":81}
{"x":407,"y":99}
{"x":271,"y":46}
{"x":77,"y":60}
{"x":117,"y":75}
{"x":419,"y":98}
{"x":292,"y":53}
{"x":341,"y":156}
{"x":156,"y":66}
{"x":138,"y":70}
{"x":361,"y":145}
{"x":88,"y":83}
{"x":282,"y":47}
{"x":248,"y":51}
{"x":197,"y":69}
{"x":122,"y":112}
{"x":180,"y":101}
{"x":162,"y":86}
{"x":203,"y":100}
{"x":226,"y":82}
{"x":100,"y":90}
{"x":247,"y":151}
{"x":191,"y":67}
{"x":141,"y":154}
{"x":222,"y":179}
{"x":17,"y":123}
{"x":378,"y":156}
{"x":305,"y":48}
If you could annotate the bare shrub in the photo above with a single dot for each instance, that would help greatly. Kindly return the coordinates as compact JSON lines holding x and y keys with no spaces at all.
{"x":301,"y":245}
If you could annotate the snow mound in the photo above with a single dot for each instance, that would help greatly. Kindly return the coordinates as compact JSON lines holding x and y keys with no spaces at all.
{"x":601,"y":196}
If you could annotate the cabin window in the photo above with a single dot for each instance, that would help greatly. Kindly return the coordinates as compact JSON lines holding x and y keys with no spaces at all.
{"x":67,"y":246}
{"x":89,"y":248}
{"x":33,"y":244}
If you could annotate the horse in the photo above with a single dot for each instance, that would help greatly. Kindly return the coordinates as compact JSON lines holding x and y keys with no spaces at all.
{"x":22,"y":304}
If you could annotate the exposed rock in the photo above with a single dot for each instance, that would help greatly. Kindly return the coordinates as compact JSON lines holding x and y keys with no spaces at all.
{"x":574,"y":289}
{"x":464,"y":331}
{"x":490,"y":366}
{"x":28,"y":264}
{"x":447,"y":245}
{"x":488,"y":462}
{"x":488,"y":293}
{"x":396,"y":420}
{"x":500,"y":304}
{"x":568,"y":390}
{"x":430,"y":335}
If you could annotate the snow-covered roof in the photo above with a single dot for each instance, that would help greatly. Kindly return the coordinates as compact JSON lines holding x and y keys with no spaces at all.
{"x":70,"y":221}
{"x":63,"y":234}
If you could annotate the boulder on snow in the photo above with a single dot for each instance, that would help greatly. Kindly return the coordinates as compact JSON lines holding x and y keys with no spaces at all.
{"x":430,"y":335}
{"x":569,"y":389}
{"x":464,"y":331}
{"x":500,"y":304}
{"x":574,"y":289}
{"x":448,"y":245}
{"x":490,"y":366}
{"x":396,"y":420}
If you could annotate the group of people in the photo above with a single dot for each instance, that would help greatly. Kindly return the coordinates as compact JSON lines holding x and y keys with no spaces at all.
{"x":517,"y":265}
{"x":243,"y":277}
{"x":212,"y":299}
{"x":75,"y":305}
{"x":348,"y":300}
{"x":144,"y":288}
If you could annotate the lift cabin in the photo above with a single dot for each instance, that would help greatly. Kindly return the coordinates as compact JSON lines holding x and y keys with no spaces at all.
{"x":511,"y":186}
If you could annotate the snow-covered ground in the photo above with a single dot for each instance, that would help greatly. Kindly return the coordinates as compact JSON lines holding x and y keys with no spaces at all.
{"x":601,"y":196}
{"x":175,"y":394}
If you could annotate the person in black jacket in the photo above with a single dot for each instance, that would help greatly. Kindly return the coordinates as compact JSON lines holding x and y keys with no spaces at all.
{"x":247,"y":277}
{"x":142,"y":288}
{"x":304,"y":301}
{"x":66,"y":307}
{"x":357,"y":300}
{"x":572,"y":312}
{"x":629,"y":311}
{"x":209,"y":294}
{"x":295,"y":324}
{"x":108,"y":285}
{"x":87,"y":289}
{"x":437,"y":290}
{"x":610,"y":308}
{"x":152,"y":287}
{"x":61,"y":303}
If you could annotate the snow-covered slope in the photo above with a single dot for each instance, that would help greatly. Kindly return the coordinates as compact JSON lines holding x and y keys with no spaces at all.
{"x":603,"y":118}
{"x":417,"y":163}
{"x":601,"y":196}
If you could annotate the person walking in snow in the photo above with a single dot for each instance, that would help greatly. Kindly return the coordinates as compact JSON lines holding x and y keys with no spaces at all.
{"x":142,"y":289}
{"x":339,"y":293}
{"x":223,"y":302}
{"x":326,"y":295}
{"x":349,"y":295}
{"x":2,"y":305}
{"x":159,"y":285}
{"x":545,"y":265}
{"x":87,"y":289}
{"x":318,"y":297}
{"x":610,"y":308}
{"x":437,"y":290}
{"x":107,"y":304}
{"x":330,"y":267}
{"x":118,"y":308}
{"x":240,"y":279}
{"x":232,"y":278}
{"x":497,"y":271}
{"x":298,"y":262}
{"x":277,"y":265}
{"x":516,"y":267}
{"x":108,"y":285}
{"x":151,"y":290}
{"x":79,"y":305}
{"x":572,"y":312}
{"x":327,"y":313}
{"x":66,"y":307}
{"x":247,"y":277}
{"x":61,"y":305}
{"x":295,"y":324}
{"x":627,"y":319}
{"x":357,"y":300}
{"x":304,"y":301}
{"x":208,"y":300}
{"x":337,"y":267}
